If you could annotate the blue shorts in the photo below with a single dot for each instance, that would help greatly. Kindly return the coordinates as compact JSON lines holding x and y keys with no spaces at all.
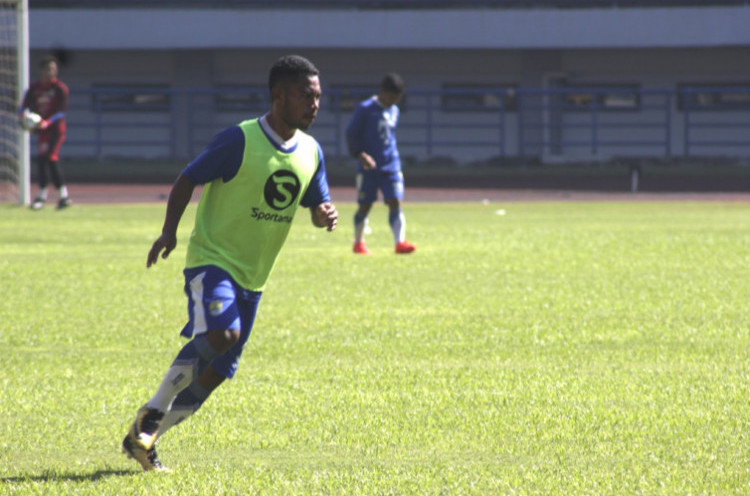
{"x":369,"y":182}
{"x":216,"y":302}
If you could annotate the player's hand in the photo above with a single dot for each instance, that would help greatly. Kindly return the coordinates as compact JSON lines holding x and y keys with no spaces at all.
{"x":366,"y":161}
{"x":165,"y":242}
{"x":44,"y":124}
{"x":326,"y":216}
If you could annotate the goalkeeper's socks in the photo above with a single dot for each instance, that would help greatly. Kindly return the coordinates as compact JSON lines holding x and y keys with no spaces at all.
{"x":189,"y":364}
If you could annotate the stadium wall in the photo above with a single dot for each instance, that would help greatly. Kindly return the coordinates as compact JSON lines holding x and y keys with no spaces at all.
{"x":480,"y":28}
{"x":657,"y":48}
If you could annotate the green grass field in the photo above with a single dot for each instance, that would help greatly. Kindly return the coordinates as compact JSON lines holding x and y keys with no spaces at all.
{"x":560,"y":348}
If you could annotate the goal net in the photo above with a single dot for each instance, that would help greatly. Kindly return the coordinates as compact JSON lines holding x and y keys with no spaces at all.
{"x":14,"y":78}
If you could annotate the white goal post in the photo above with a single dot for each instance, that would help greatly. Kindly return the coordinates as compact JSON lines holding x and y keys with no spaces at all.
{"x":15,"y":184}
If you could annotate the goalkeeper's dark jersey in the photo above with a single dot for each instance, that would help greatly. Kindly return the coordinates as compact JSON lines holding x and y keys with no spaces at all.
{"x":48,"y":100}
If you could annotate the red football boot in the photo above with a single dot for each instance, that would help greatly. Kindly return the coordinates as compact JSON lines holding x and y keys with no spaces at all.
{"x":360,"y":248}
{"x":405,"y":247}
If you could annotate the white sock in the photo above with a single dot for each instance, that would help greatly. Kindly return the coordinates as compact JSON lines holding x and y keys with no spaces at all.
{"x":173,"y":417}
{"x":178,"y":377}
{"x":184,"y":405}
{"x":398,"y":226}
{"x":359,"y":230}
{"x":63,"y":192}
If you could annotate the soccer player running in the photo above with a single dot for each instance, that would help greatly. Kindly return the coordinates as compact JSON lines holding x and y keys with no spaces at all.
{"x":371,"y":138}
{"x":255,"y":174}
{"x":48,"y":97}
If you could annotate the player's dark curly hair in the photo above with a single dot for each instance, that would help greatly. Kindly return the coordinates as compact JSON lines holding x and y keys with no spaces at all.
{"x":48,"y":60}
{"x":290,"y":69}
{"x":393,"y":83}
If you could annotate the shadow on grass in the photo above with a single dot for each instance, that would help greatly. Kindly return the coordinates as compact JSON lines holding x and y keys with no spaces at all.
{"x":63,"y":477}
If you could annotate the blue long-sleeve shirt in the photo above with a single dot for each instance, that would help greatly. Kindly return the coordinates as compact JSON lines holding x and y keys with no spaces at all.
{"x":372,"y":129}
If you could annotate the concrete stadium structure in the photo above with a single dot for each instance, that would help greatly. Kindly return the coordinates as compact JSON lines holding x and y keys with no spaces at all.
{"x":645,"y":66}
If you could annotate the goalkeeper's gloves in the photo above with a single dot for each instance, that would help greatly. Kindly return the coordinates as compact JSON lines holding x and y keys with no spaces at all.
{"x":44,"y":124}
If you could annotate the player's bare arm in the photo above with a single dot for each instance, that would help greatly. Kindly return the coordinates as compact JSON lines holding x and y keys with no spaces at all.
{"x":368,"y":163}
{"x":179,"y":197}
{"x":325,"y":215}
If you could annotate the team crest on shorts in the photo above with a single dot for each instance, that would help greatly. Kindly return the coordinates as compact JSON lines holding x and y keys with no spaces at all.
{"x":216,"y":307}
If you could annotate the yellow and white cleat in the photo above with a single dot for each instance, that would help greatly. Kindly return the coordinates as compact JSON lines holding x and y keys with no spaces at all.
{"x":146,"y":426}
{"x":147,"y":458}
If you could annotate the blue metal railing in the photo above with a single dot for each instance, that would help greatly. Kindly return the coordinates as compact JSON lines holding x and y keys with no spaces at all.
{"x":97,"y":122}
{"x":640,"y":126}
{"x":710,"y":130}
{"x":463,"y":124}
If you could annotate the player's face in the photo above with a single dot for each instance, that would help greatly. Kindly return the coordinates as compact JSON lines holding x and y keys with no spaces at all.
{"x":389,"y":99}
{"x":300,"y":102}
{"x":49,"y":71}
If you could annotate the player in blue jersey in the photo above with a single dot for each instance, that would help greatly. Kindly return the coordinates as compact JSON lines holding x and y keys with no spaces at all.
{"x":255,"y":174}
{"x":371,"y":138}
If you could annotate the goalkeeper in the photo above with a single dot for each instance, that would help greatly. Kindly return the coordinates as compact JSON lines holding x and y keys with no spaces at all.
{"x":48,"y":97}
